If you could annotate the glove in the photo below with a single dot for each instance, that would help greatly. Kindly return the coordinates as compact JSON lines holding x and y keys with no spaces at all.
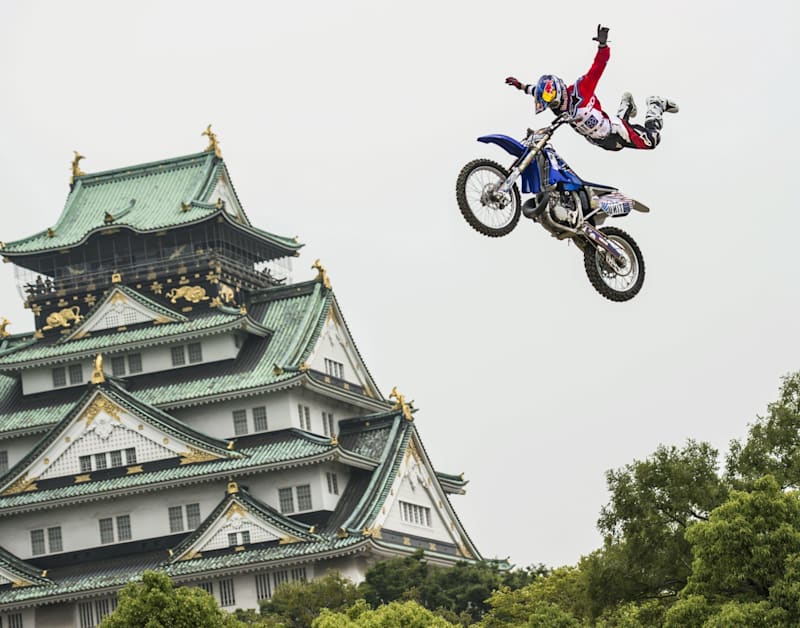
{"x":514,"y":83}
{"x":602,"y":36}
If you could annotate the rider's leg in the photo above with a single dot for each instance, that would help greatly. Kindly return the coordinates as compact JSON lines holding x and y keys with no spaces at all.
{"x":656,"y":106}
{"x":627,"y":108}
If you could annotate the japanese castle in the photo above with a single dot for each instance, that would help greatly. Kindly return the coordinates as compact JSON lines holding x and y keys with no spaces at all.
{"x":182,"y":405}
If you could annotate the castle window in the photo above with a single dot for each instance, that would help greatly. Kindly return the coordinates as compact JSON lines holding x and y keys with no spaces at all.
{"x":304,"y":497}
{"x":415,"y":514}
{"x":100,"y":461}
{"x":59,"y":377}
{"x":90,"y":614}
{"x":178,"y":356}
{"x":53,"y":543}
{"x":118,"y":366}
{"x":263,"y":590}
{"x":14,"y":620}
{"x":76,"y":374}
{"x":176,"y":517}
{"x":116,"y":458}
{"x":135,"y":363}
{"x":195,"y":352}
{"x":226,"y":595}
{"x":260,"y":419}
{"x":3,"y":461}
{"x":130,"y":455}
{"x":334,"y":368}
{"x":238,"y":538}
{"x":305,"y":417}
{"x":327,"y":423}
{"x":333,"y":483}
{"x":208,"y":587}
{"x":286,"y":500}
{"x":86,"y":463}
{"x":192,"y":516}
{"x":299,"y":574}
{"x":239,"y":422}
{"x":123,"y":529}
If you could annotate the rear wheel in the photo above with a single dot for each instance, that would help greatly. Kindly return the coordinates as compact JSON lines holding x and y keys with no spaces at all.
{"x":487,"y":210}
{"x":617,"y":281}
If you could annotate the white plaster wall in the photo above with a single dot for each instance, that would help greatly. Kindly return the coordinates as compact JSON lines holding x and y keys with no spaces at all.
{"x":154,"y":359}
{"x":439,"y":530}
{"x":317,"y":404}
{"x":18,"y":447}
{"x":217,"y":419}
{"x":79,"y":524}
{"x":265,"y":487}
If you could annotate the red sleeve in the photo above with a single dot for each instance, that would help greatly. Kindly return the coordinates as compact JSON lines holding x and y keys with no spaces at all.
{"x":588,"y":82}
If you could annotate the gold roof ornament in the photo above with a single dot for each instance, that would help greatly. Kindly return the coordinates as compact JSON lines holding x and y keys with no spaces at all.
{"x":322,"y":274}
{"x":401,"y":404}
{"x":51,"y":233}
{"x":98,"y":376}
{"x":213,"y":143}
{"x":76,"y":169}
{"x":233,"y":488}
{"x":4,"y":333}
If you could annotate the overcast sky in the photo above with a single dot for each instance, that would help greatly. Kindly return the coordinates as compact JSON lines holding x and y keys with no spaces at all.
{"x":346,"y":123}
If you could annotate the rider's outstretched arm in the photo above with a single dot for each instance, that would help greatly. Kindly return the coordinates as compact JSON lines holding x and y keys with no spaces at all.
{"x":588,"y":82}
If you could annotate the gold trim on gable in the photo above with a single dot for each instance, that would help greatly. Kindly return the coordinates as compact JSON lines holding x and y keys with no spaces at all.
{"x":22,"y":485}
{"x":195,"y":455}
{"x":101,"y":404}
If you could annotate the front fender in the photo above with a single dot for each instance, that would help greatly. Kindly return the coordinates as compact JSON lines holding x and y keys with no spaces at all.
{"x":508,"y":144}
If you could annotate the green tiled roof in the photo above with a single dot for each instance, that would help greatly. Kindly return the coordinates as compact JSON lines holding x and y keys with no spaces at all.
{"x":113,"y":341}
{"x":292,"y":446}
{"x":146,"y":198}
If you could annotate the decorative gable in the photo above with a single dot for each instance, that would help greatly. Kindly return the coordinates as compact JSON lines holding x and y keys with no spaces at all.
{"x":223,"y":191}
{"x":18,"y":573}
{"x":417,"y":505}
{"x":240,"y":520}
{"x":335,"y":354}
{"x":122,"y":307}
{"x":103,"y":432}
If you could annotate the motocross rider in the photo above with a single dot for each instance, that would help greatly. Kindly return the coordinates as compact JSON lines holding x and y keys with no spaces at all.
{"x":611,"y":132}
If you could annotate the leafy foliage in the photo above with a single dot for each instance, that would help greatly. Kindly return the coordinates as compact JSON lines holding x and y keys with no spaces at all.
{"x":773,"y":443}
{"x":156,"y":603}
{"x":297,"y":604}
{"x":408,"y":614}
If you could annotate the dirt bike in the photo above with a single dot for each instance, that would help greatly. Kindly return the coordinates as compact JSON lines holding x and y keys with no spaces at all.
{"x":563,"y":203}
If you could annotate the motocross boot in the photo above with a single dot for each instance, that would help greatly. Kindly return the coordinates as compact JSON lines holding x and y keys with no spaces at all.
{"x":656,"y":106}
{"x":627,"y":108}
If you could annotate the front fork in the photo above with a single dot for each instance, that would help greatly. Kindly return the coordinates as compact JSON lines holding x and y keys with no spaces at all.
{"x":519,"y":167}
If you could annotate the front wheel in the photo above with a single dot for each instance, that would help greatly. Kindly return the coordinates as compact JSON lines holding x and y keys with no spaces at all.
{"x":484,"y":207}
{"x":617,"y":281}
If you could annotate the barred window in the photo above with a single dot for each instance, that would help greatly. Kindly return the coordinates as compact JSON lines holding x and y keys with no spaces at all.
{"x":299,"y":574}
{"x":415,"y":514}
{"x":14,"y":620}
{"x":192,"y":516}
{"x":130,"y":455}
{"x":208,"y":587}
{"x":178,"y":356}
{"x":260,"y":419}
{"x":238,"y":538}
{"x":175,"y":519}
{"x":59,"y":377}
{"x":305,"y":417}
{"x":239,"y":422}
{"x":135,"y":363}
{"x":100,"y":461}
{"x":86,"y":463}
{"x":195,"y":352}
{"x":118,"y":366}
{"x":286,"y":500}
{"x":226,"y":594}
{"x":279,"y":577}
{"x":3,"y":461}
{"x":76,"y":374}
{"x":90,"y":614}
{"x":333,"y":483}
{"x":304,"y":497}
{"x":334,"y":368}
{"x":54,"y":539}
{"x":327,"y":423}
{"x":116,"y":458}
{"x":124,"y":528}
{"x":37,"y":543}
{"x":106,"y":530}
{"x":263,"y":588}
{"x":232,"y":539}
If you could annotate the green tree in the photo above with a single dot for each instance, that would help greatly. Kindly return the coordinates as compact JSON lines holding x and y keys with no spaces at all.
{"x":297,"y":604}
{"x":744,"y":547}
{"x":564,"y":588}
{"x":395,"y":579}
{"x":653,"y":502}
{"x":773,"y":442}
{"x":408,"y":614}
{"x":156,"y":603}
